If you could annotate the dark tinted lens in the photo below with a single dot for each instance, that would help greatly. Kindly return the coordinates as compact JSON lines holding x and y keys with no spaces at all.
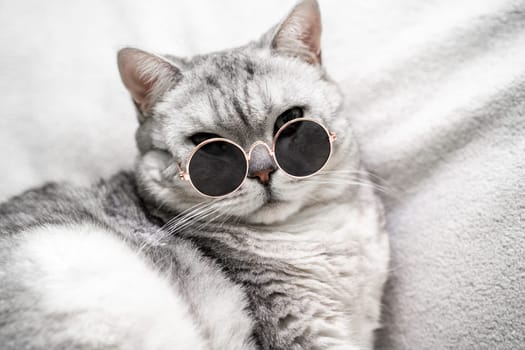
{"x":217,"y":168}
{"x":302,"y":148}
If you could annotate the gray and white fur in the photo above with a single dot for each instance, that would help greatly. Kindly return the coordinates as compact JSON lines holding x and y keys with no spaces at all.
{"x":142,"y":261}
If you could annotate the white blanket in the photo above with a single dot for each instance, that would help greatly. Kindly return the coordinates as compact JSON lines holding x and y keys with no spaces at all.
{"x":437,"y":92}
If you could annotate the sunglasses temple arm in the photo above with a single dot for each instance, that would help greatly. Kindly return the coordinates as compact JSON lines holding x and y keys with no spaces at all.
{"x":182,"y":174}
{"x":333,"y":136}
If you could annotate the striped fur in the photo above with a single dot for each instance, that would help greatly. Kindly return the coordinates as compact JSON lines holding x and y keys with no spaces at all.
{"x":299,"y":264}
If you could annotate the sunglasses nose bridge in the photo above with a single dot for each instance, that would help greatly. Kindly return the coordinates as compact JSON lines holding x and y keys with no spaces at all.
{"x":261,"y":162}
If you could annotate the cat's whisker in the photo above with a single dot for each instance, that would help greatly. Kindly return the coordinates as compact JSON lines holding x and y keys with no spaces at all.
{"x":349,"y":182}
{"x":162,"y":203}
{"x":163,"y":232}
{"x":190,"y":221}
{"x":357,"y":172}
{"x":197,"y":218}
{"x":366,"y":184}
{"x":186,"y":215}
{"x":397,"y":266}
{"x":223,"y":222}
{"x":341,"y":175}
{"x":210,"y":222}
{"x":344,"y":171}
{"x":181,"y":214}
{"x":343,"y":182}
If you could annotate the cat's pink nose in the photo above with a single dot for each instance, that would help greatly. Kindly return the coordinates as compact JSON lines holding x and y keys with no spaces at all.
{"x":264,"y":176}
{"x":261,"y":163}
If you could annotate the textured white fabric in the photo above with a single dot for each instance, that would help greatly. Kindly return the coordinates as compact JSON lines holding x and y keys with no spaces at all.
{"x":436,"y":89}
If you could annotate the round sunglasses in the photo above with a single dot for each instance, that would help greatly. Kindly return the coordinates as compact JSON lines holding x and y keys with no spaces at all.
{"x":218,"y":166}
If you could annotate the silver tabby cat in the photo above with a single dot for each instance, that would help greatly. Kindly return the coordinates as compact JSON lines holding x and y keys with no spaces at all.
{"x":142,"y":261}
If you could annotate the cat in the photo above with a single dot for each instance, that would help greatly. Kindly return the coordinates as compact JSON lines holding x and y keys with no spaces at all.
{"x":143,"y":261}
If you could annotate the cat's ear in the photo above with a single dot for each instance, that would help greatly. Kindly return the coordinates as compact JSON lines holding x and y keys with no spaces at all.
{"x":299,"y":34}
{"x":146,"y":76}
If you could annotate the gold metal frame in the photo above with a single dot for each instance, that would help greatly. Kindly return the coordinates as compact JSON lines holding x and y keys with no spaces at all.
{"x":185,"y":175}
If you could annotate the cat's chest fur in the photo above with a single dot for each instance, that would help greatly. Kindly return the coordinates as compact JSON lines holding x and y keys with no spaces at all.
{"x":313,"y":282}
{"x":85,"y":262}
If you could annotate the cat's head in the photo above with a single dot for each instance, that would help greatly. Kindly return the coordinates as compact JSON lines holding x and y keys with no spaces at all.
{"x":242,"y":94}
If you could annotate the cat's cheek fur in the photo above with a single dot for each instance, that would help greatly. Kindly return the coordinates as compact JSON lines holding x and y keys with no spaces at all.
{"x":108,"y":294}
{"x":158,"y":177}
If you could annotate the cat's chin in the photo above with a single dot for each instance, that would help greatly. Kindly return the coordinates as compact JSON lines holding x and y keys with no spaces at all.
{"x":273,"y":212}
